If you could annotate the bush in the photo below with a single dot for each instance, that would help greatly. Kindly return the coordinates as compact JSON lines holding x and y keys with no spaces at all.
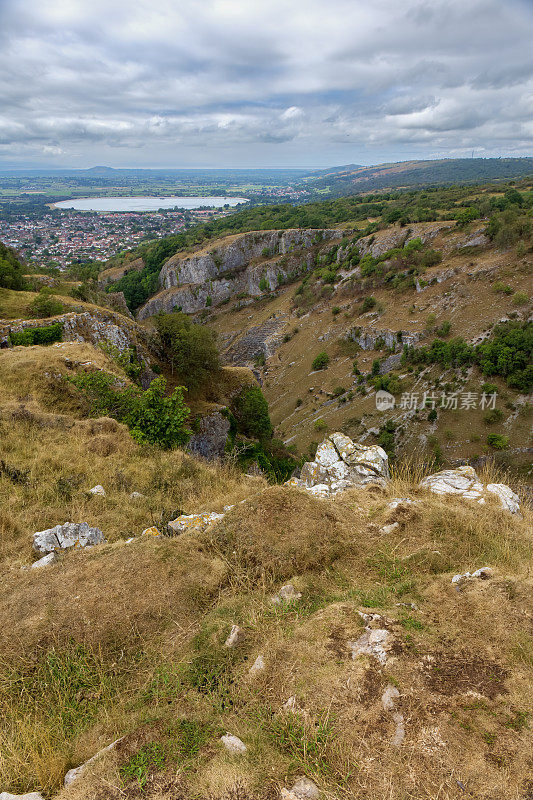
{"x":250,"y":409}
{"x":444,"y":329}
{"x":368,"y":304}
{"x":44,"y":335}
{"x":502,"y":288}
{"x":520,"y":299}
{"x":46,"y":305}
{"x":263,"y":284}
{"x":320,"y":425}
{"x":497,"y":441}
{"x":190,"y":349}
{"x":493,"y":416}
{"x":150,"y":415}
{"x":321,"y":361}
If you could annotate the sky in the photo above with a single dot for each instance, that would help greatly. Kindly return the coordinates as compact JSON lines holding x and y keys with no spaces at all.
{"x":263,"y":83}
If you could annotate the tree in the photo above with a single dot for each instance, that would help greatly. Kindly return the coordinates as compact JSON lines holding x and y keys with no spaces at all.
{"x":250,"y":409}
{"x":190,"y":349}
{"x":11,"y":276}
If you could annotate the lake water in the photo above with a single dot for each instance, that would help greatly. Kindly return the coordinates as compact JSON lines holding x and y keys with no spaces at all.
{"x":146,"y":203}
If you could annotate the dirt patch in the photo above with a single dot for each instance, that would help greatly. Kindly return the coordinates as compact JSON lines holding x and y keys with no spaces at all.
{"x":451,"y":674}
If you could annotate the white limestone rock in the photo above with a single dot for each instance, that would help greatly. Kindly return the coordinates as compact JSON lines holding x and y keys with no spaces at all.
{"x":508,"y":499}
{"x":302,"y":789}
{"x":341,"y":464}
{"x":373,"y":642}
{"x":257,"y":666}
{"x":27,"y":796}
{"x":77,"y":772}
{"x":236,"y":635}
{"x":233,"y":744}
{"x":98,"y":491}
{"x":388,"y":529}
{"x":483,"y":573}
{"x":287,"y":594}
{"x":463,"y":481}
{"x":63,"y":537}
{"x":194,"y":522}
{"x":389,"y":697}
{"x":45,"y":561}
{"x":136,"y":496}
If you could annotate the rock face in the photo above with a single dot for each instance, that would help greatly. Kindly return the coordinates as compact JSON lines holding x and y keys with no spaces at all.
{"x":340,"y":464}
{"x":464,"y":481}
{"x":379,"y":243}
{"x":212,"y":275}
{"x":210,"y":440}
{"x":63,"y":537}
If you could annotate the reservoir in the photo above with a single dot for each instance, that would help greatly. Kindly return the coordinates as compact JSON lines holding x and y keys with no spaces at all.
{"x":146,"y":203}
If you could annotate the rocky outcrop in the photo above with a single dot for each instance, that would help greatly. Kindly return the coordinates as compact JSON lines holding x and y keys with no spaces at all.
{"x":63,"y":537}
{"x":341,"y":464}
{"x":463,"y":481}
{"x":261,"y":340}
{"x":379,"y":243}
{"x":245,"y":264}
{"x":209,"y":441}
{"x":96,"y":326}
{"x":370,"y":338}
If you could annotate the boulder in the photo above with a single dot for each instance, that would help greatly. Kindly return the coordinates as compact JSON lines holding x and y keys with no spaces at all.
{"x":98,"y":490}
{"x":257,"y":666}
{"x":233,"y":744}
{"x":193,"y":522}
{"x":464,"y":481}
{"x":152,"y":531}
{"x":70,"y":534}
{"x":341,"y":464}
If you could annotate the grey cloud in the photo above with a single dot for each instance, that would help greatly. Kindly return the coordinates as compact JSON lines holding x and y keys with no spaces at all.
{"x":204,"y":80}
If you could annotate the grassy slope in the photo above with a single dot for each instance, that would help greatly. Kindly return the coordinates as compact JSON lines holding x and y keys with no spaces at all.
{"x":466,"y":299}
{"x":127,"y":639}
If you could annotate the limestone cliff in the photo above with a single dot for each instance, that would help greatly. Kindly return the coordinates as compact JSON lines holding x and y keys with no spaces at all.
{"x":243,"y":264}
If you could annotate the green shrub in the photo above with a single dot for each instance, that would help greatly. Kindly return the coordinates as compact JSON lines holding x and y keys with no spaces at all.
{"x":335,"y":310}
{"x":250,"y":409}
{"x":11,"y":276}
{"x":190,"y":349}
{"x":338,"y":391}
{"x":444,"y":329}
{"x":520,"y":298}
{"x":320,"y":425}
{"x":368,"y":304}
{"x":497,"y":441}
{"x":502,"y":288}
{"x":493,"y":416}
{"x":46,"y":305}
{"x":321,"y":361}
{"x":43,"y":335}
{"x":263,"y":284}
{"x":150,"y":415}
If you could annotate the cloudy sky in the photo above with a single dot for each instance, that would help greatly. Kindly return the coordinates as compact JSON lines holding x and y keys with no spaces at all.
{"x":313,"y":83}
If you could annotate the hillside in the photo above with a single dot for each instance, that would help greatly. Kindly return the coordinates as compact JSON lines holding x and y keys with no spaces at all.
{"x":415,"y":174}
{"x":375,"y":675}
{"x":193,"y":610}
{"x":361,"y":291}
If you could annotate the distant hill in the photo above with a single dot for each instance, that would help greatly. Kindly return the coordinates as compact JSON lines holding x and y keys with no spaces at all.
{"x":413,"y":174}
